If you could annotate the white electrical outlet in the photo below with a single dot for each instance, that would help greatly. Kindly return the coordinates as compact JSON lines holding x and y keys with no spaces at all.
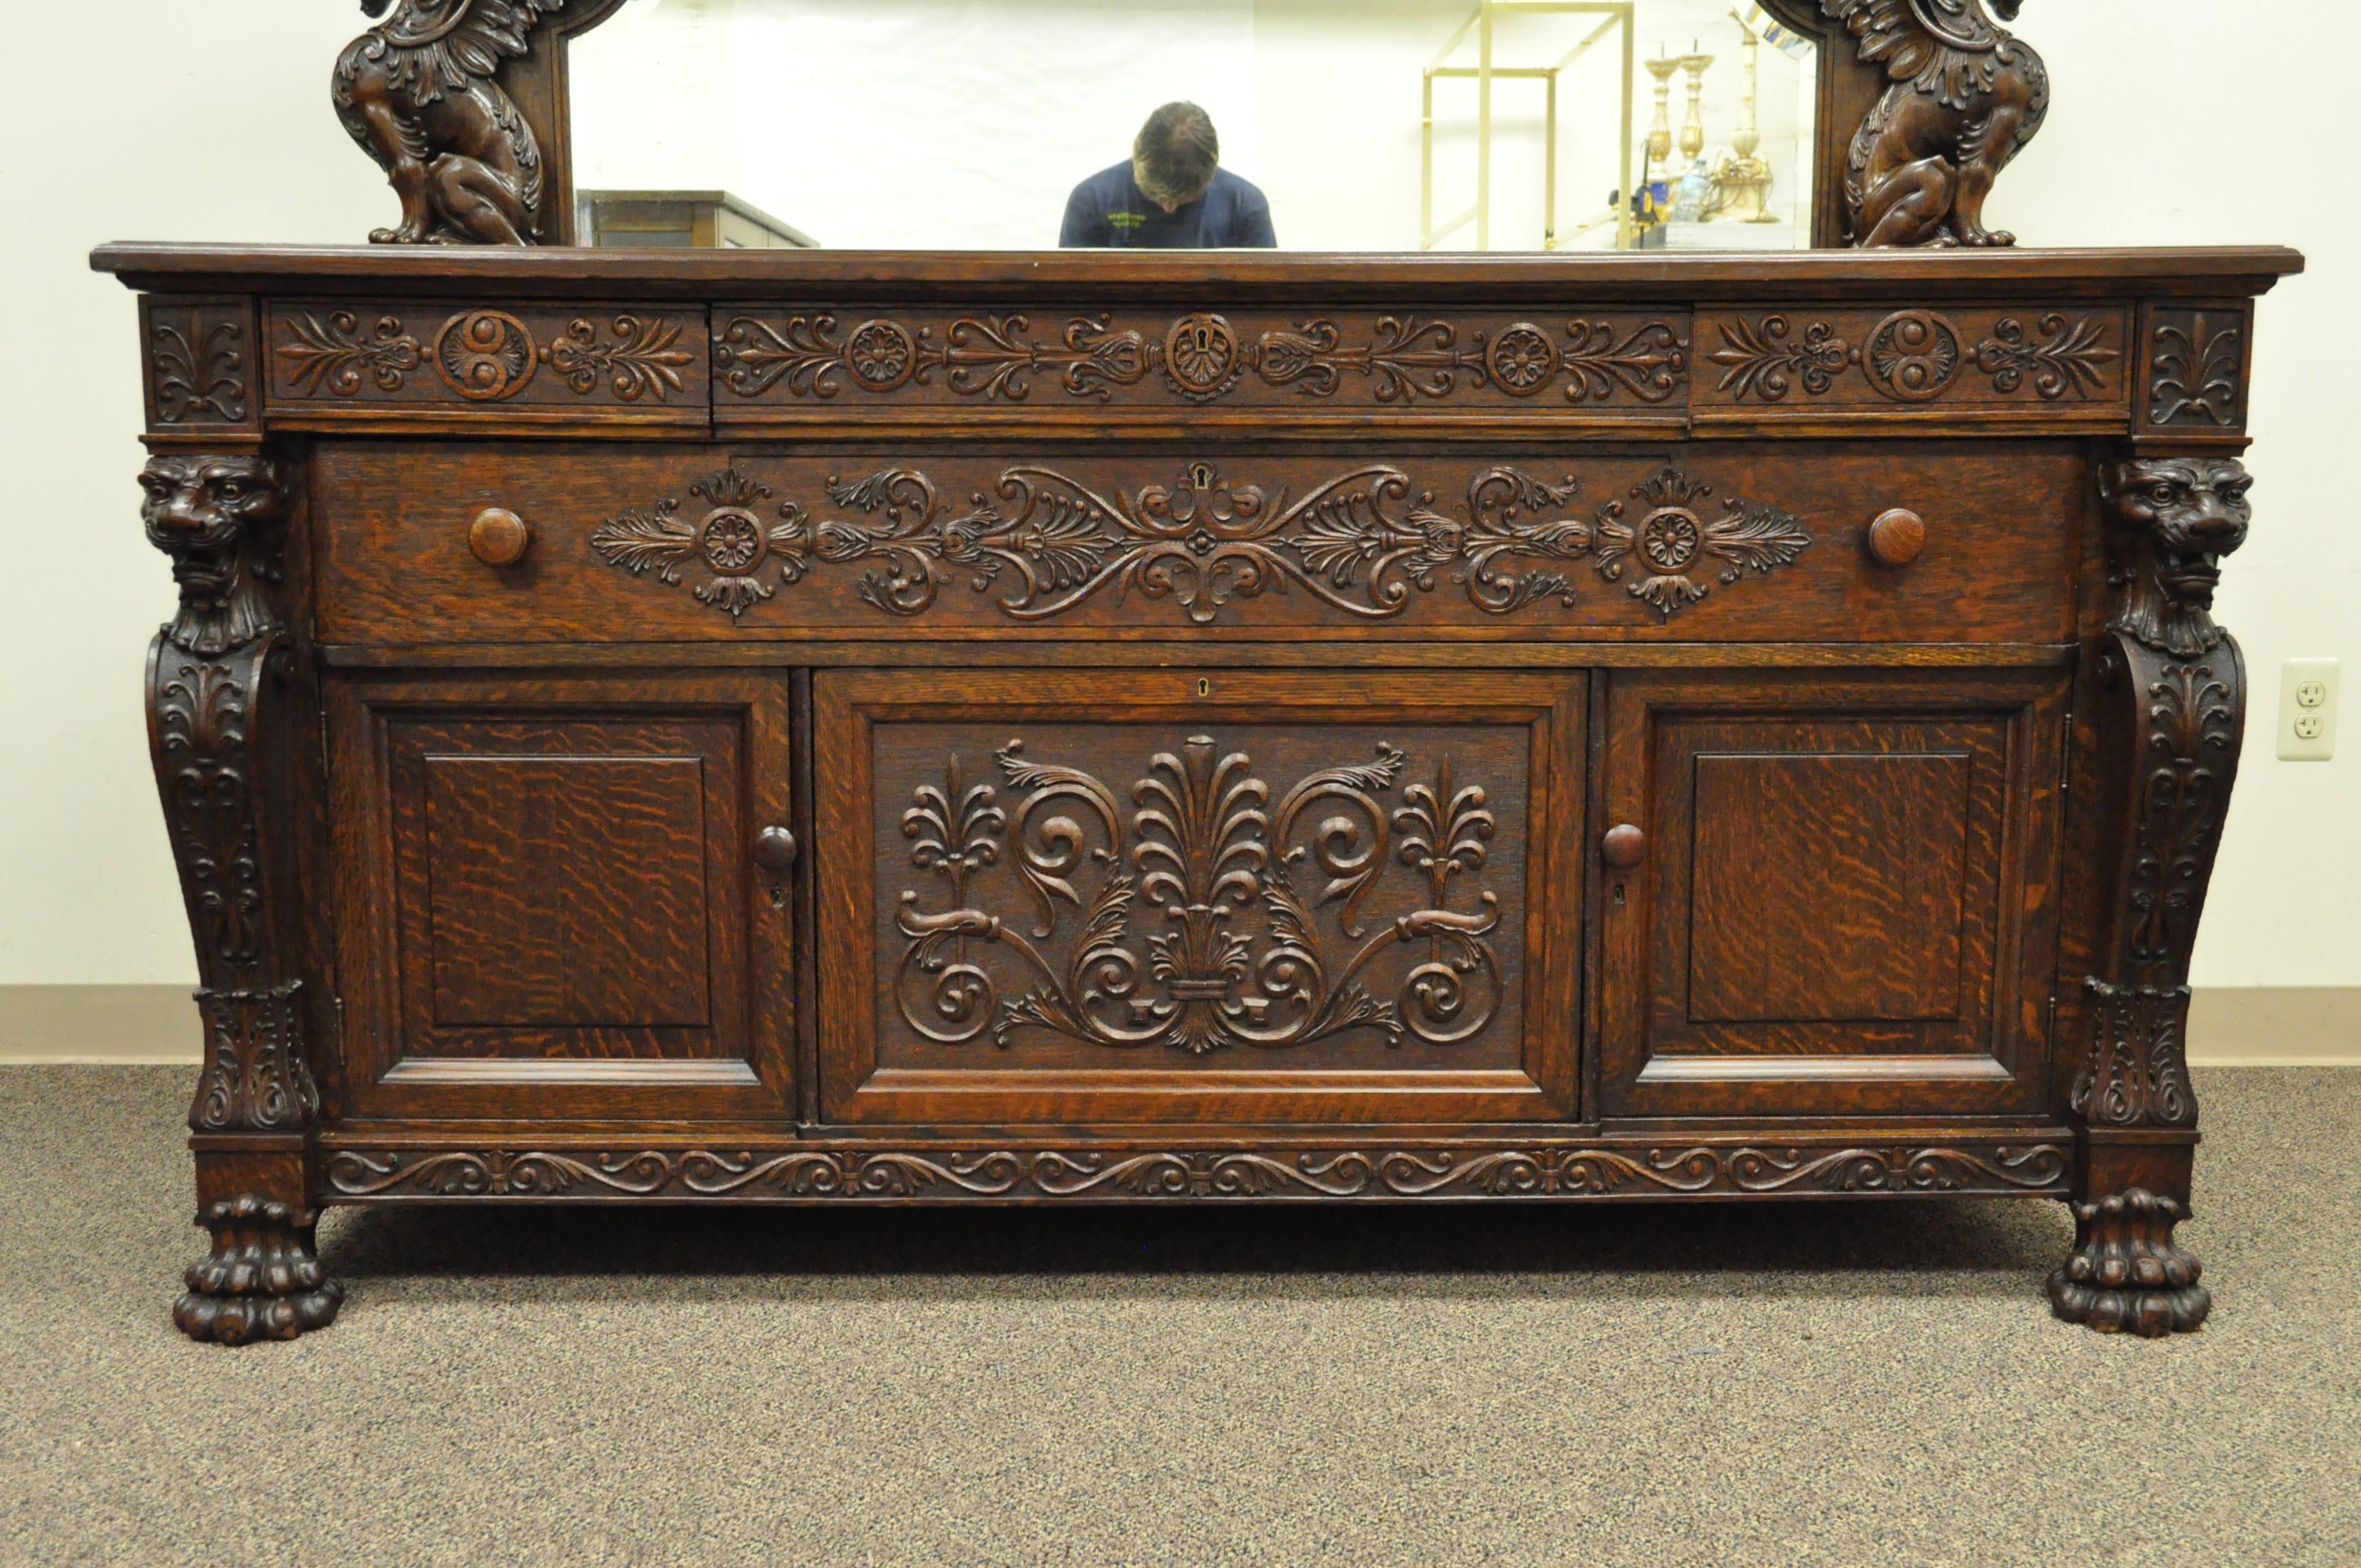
{"x":2308,"y":710}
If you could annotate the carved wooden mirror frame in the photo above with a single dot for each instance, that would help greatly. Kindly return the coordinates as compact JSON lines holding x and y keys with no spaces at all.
{"x":1922,"y":103}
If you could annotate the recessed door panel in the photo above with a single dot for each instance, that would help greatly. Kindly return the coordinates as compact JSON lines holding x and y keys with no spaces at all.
{"x":1845,"y":898}
{"x":1230,"y":897}
{"x":550,"y":908}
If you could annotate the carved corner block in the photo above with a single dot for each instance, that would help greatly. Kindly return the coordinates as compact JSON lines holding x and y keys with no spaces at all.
{"x":2195,"y":362}
{"x":199,"y":358}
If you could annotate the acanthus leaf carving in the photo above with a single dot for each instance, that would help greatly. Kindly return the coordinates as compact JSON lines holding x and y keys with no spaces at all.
{"x":2198,"y":370}
{"x":643,"y":359}
{"x":200,"y":366}
{"x":1205,"y":854}
{"x":2175,"y":684}
{"x":1678,"y":534}
{"x":2068,"y":360}
{"x":333,"y":356}
{"x":1364,"y":544}
{"x":1534,"y":1170}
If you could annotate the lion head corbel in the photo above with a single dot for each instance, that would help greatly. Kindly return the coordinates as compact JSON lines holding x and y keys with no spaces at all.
{"x":218,"y":518}
{"x":2170,"y":521}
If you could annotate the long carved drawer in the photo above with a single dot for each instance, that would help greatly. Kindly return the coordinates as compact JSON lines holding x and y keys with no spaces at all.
{"x":1825,"y":542}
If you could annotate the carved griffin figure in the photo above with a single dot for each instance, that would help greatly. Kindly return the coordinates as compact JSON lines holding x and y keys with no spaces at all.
{"x":209,"y":515}
{"x":417,"y":92}
{"x":2174,"y":518}
{"x":1965,"y":98}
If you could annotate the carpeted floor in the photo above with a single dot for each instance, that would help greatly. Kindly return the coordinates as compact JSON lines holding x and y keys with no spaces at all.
{"x":1874,"y":1384}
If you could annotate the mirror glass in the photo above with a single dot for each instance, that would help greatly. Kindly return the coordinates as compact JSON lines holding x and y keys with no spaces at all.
{"x":1361,"y":125}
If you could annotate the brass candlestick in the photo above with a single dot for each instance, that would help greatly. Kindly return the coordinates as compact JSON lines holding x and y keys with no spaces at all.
{"x":1693,"y":128}
{"x":1743,"y":183}
{"x":1660,"y":135}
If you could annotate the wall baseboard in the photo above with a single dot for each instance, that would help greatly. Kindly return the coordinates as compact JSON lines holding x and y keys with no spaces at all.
{"x":128,"y":1025}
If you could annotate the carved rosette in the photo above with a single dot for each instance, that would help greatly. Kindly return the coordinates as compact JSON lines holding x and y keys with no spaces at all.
{"x":1572,"y":1170}
{"x":481,"y":357}
{"x":1364,"y":544}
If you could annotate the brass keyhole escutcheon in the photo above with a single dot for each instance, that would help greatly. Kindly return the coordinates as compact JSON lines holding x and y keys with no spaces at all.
{"x":1205,"y":686}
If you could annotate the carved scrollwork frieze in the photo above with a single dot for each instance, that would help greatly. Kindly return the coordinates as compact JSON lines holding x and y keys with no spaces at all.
{"x":621,"y":358}
{"x":1536,"y":1170}
{"x":1914,"y":357}
{"x":1366,"y":544}
{"x":1398,"y":360}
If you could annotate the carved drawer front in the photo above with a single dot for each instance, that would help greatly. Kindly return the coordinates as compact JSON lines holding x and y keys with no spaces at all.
{"x":392,"y":365}
{"x":1217,"y":897}
{"x":2052,"y":367}
{"x":1745,"y":542}
{"x":564,"y":899}
{"x":1829,"y":897}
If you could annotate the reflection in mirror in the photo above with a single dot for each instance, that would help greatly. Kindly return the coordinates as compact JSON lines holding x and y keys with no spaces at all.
{"x":1363,"y":125}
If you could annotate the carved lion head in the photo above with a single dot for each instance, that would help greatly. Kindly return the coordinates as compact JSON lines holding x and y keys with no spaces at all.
{"x":2174,"y":518}
{"x":206,"y":513}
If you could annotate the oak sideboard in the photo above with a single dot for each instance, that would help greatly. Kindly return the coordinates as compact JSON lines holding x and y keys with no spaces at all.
{"x":811,"y":727}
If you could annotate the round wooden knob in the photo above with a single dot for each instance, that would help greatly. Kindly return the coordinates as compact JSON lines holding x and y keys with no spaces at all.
{"x":774,"y":851}
{"x":1624,"y":847}
{"x":1897,"y":537}
{"x":498,"y":538}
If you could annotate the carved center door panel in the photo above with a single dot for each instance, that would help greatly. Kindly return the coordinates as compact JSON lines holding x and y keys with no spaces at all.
{"x":1843,"y":901}
{"x":1219,"y":897}
{"x":554,"y":899}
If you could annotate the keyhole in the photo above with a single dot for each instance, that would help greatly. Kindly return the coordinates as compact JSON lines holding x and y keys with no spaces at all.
{"x":1619,"y":895}
{"x":1205,"y":686}
{"x":779,"y":895}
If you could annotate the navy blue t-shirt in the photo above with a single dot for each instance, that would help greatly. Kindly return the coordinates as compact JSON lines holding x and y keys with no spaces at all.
{"x":1109,"y":209}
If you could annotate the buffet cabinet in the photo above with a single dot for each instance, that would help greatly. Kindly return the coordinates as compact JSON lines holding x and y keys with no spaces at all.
{"x":681,"y":728}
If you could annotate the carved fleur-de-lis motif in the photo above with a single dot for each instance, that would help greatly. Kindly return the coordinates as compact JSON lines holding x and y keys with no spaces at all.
{"x":643,"y":359}
{"x":333,"y":356}
{"x":2070,"y":359}
{"x":1759,"y":360}
{"x":1232,"y":958}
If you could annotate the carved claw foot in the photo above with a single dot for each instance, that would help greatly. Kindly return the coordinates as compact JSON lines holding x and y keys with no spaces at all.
{"x":261,"y":1281}
{"x":2126,"y":1273}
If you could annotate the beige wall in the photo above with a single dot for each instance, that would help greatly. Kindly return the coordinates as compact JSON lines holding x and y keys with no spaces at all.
{"x":212,"y":123}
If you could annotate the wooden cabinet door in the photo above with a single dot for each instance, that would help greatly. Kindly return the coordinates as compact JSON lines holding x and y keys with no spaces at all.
{"x":549,"y":896}
{"x":1845,"y":899}
{"x":1221,"y":897}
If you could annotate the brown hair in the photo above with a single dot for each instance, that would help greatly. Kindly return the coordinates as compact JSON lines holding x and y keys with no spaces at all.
{"x":1175,"y":154}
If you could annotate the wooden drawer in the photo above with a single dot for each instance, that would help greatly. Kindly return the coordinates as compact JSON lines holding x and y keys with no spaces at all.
{"x":1737,"y":542}
{"x":1056,"y":897}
